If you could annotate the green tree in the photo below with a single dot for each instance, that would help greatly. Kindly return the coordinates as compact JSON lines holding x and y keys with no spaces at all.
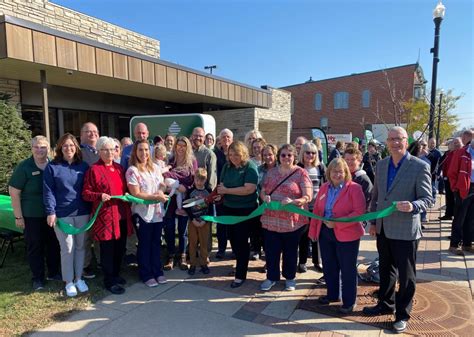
{"x":418,"y":112}
{"x":15,"y":140}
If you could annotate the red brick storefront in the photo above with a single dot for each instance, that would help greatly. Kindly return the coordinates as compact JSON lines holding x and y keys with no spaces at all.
{"x":363,"y":100}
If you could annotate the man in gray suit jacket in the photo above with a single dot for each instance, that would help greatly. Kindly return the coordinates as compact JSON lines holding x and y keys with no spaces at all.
{"x":406,"y":180}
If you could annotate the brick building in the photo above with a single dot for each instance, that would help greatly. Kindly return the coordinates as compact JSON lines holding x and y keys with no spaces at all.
{"x":79,"y":68}
{"x":356,"y":102}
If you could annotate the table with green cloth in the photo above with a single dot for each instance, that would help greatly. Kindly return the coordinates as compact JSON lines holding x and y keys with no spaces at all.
{"x":7,"y":219}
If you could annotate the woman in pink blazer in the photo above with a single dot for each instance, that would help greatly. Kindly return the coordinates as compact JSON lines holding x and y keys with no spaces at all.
{"x":339,"y":241}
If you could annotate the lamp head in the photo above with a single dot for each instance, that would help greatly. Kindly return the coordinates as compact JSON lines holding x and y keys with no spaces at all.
{"x":439,"y":10}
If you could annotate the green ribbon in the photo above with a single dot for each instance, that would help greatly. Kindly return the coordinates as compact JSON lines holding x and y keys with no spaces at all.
{"x":70,"y":229}
{"x":276,"y":206}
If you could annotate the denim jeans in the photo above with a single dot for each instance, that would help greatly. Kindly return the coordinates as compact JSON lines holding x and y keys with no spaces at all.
{"x":170,"y":233}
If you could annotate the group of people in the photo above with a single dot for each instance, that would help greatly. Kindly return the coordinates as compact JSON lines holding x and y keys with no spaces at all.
{"x":181,"y":179}
{"x":457,"y":173}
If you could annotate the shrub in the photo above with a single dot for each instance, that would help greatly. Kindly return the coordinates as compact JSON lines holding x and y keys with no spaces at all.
{"x":15,"y":141}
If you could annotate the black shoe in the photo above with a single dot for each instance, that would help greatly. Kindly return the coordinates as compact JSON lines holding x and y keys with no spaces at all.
{"x":302,"y":268}
{"x":378,"y":310}
{"x":235,"y":284}
{"x":38,"y":285}
{"x":56,"y":277}
{"x":205,"y":270}
{"x":120,"y":280}
{"x":131,"y":260}
{"x":116,"y":289}
{"x":88,"y":273}
{"x":326,"y":300}
{"x":348,"y":310}
{"x":321,"y":281}
{"x":192,"y":270}
{"x":220,"y":255}
{"x":445,"y":217}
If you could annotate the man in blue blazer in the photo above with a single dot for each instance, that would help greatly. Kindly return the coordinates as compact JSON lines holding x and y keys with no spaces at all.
{"x":407,"y":181}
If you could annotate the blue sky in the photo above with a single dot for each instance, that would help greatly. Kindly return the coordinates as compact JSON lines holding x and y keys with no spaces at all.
{"x":283,"y":42}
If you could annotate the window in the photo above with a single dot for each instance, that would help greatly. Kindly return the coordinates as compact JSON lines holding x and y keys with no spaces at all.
{"x":341,"y":100}
{"x":366,"y":98}
{"x":318,"y":100}
{"x":418,"y":92}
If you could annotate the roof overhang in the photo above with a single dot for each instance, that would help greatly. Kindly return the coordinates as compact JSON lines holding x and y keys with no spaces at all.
{"x":76,"y":62}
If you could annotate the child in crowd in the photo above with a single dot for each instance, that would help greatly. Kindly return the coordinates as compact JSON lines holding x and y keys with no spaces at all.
{"x":198,"y":230}
{"x":159,"y":157}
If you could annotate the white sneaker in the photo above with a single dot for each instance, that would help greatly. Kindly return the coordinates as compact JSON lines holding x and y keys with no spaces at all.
{"x":71,"y":290}
{"x":81,"y":286}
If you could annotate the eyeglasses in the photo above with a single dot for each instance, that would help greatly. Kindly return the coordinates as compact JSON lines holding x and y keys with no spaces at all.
{"x":396,"y":139}
{"x":108,"y":150}
{"x":180,"y":145}
{"x":284,"y":155}
{"x":309,"y":153}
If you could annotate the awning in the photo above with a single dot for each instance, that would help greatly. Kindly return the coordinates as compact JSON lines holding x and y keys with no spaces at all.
{"x":76,"y":62}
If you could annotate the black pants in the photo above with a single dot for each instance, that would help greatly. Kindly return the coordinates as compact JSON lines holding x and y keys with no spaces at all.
{"x":463,"y":223}
{"x":281,"y":245}
{"x":256,"y":237}
{"x":41,"y":244}
{"x":221,"y":231}
{"x":303,"y":246}
{"x":397,"y":258}
{"x":239,"y":239}
{"x":449,"y":198}
{"x":111,"y":255}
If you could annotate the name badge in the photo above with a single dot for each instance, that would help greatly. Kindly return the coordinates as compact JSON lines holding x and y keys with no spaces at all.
{"x":35,"y":173}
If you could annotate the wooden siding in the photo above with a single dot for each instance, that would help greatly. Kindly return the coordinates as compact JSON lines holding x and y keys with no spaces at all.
{"x":66,"y":53}
{"x":39,"y":47}
{"x":86,"y":58}
{"x":43,"y":49}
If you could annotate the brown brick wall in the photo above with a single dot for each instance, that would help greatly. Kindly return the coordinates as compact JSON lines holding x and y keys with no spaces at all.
{"x":306,"y":117}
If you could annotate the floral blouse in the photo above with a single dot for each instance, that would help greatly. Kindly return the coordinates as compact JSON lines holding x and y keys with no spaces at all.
{"x":293,"y":187}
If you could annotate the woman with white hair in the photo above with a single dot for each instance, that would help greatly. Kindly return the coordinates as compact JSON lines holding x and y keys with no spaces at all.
{"x":103,"y":180}
{"x":250,"y":137}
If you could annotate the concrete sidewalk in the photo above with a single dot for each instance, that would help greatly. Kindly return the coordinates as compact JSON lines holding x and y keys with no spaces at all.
{"x":207,"y":306}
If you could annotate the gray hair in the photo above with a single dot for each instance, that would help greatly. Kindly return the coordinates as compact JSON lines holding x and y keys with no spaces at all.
{"x":398,"y":129}
{"x":36,"y":139}
{"x":226,"y":131}
{"x":103,"y":141}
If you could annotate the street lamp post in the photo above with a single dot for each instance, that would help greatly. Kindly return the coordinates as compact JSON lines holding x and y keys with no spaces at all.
{"x":210,"y":68}
{"x":439,"y":119}
{"x":438,"y":15}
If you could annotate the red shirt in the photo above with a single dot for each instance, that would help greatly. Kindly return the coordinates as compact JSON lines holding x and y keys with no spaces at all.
{"x":110,"y":180}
